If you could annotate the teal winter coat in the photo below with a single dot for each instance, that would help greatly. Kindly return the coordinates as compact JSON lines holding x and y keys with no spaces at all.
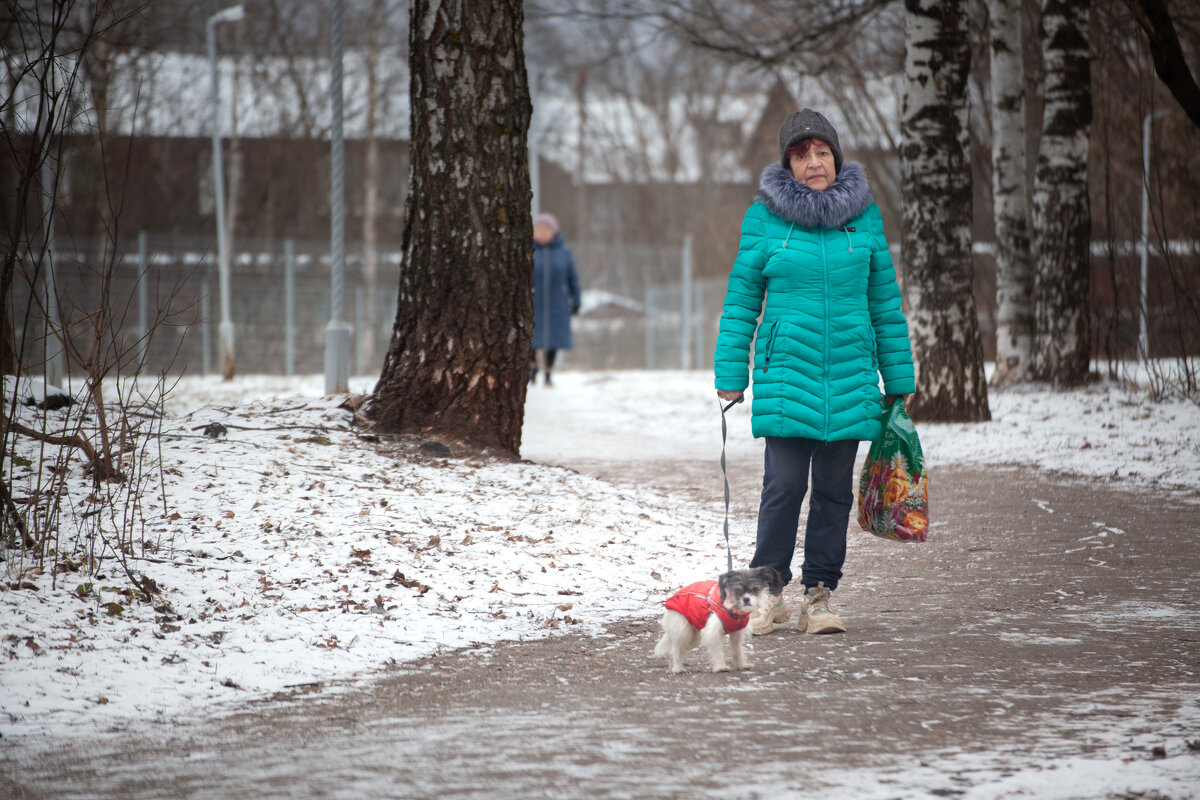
{"x":832,"y":324}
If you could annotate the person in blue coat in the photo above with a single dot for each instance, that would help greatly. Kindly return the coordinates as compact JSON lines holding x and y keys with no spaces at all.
{"x":556,"y":295}
{"x":813,"y":293}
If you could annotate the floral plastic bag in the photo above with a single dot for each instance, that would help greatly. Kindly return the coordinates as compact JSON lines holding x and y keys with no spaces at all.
{"x":893,"y":496}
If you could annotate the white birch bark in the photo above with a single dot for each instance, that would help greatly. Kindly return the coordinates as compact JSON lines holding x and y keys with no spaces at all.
{"x":936,"y":238}
{"x":1062,"y":219}
{"x":1014,"y":263}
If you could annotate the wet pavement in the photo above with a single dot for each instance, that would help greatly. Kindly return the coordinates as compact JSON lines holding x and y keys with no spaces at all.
{"x":1047,"y":618}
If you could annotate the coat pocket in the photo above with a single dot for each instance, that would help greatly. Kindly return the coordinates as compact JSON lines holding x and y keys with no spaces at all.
{"x":769,"y":350}
{"x":872,"y":346}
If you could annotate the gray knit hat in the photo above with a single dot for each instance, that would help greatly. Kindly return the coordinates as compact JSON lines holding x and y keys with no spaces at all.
{"x":547,"y":221}
{"x":808,"y":124}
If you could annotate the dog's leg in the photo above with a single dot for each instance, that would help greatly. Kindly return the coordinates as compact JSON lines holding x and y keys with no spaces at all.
{"x":678,"y":636}
{"x":676,"y":658}
{"x":661,"y":649}
{"x":737,"y":641}
{"x":712,"y":638}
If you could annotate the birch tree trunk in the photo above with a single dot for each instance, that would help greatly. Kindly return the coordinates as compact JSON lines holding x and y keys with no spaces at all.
{"x":1014,"y":264}
{"x":1062,"y":219}
{"x":458,"y":360}
{"x":936,"y":237}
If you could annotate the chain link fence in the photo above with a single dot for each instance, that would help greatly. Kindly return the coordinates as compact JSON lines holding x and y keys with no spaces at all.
{"x":641,"y":307}
{"x":163,"y":297}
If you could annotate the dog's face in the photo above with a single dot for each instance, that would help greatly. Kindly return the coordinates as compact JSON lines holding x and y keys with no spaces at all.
{"x":743,"y":590}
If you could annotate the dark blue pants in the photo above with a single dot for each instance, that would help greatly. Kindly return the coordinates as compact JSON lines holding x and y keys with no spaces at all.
{"x":785,"y":482}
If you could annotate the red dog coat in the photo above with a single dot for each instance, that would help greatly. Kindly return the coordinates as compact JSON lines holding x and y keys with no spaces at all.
{"x":697,"y":600}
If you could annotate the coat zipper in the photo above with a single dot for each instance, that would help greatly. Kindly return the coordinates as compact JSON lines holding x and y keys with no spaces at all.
{"x":825,"y":274}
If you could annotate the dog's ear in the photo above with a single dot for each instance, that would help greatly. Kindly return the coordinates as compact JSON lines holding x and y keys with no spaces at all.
{"x":723,"y":583}
{"x":773,"y":581}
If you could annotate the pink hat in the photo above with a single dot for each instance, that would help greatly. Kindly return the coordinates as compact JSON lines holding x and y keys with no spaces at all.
{"x":546,"y":221}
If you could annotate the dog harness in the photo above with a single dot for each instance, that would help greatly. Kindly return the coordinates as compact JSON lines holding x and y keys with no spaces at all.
{"x":697,"y":600}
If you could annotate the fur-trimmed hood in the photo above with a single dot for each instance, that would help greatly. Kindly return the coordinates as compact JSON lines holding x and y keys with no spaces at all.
{"x":786,"y":197}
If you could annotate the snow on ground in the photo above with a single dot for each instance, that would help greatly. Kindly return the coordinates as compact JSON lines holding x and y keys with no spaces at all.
{"x":294,"y":550}
{"x":1103,"y":431}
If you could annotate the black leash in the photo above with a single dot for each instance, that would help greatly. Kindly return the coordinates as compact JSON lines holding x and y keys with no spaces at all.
{"x":725,"y":475}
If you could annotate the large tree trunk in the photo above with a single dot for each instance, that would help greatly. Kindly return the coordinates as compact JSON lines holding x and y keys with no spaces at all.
{"x":1014,"y":265}
{"x":936,"y":237}
{"x":1062,"y":219}
{"x":458,"y":360}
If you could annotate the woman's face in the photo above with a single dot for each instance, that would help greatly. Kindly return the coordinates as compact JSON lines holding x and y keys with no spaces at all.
{"x":542,"y":234}
{"x":813,"y":165}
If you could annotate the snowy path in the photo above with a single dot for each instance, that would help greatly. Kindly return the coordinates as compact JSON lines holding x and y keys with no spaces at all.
{"x":996,"y":661}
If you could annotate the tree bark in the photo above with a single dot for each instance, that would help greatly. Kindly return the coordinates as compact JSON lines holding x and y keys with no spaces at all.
{"x":458,"y":360}
{"x":1062,"y":219}
{"x":936,"y":237}
{"x":8,"y":345}
{"x":1014,"y":264}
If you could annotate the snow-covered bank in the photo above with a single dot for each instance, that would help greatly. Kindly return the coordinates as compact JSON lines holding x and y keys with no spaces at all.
{"x":293,"y":551}
{"x":290,"y":552}
{"x":1100,"y":431}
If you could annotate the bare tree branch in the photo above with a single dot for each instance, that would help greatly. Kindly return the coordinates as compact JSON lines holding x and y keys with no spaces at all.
{"x":1169,"y":62}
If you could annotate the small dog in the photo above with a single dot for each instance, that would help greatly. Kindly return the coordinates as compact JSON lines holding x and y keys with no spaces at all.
{"x":701,"y":613}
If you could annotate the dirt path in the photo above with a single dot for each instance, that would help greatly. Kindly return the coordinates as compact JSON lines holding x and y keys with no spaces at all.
{"x":1046,"y":620}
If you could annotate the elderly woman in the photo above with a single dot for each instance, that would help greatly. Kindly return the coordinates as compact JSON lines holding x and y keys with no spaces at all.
{"x":812,"y":244}
{"x":556,"y":294}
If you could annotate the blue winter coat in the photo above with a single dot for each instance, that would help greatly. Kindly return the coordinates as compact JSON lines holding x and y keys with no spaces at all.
{"x":832,"y":323}
{"x":556,"y":294}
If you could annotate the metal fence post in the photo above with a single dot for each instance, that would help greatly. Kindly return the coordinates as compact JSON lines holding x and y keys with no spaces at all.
{"x":143,"y":325}
{"x":685,"y":291}
{"x":205,"y":325}
{"x":649,"y":328}
{"x":53,"y":371}
{"x":289,"y":308}
{"x":1143,"y":289}
{"x":360,"y":340}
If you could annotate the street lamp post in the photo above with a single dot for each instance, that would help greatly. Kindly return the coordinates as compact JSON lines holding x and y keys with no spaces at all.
{"x":225,"y":332}
{"x":337,"y":332}
{"x":1144,"y":294}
